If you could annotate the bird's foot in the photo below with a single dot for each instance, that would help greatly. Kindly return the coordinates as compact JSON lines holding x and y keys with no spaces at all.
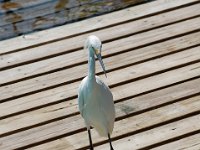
{"x":111,"y":148}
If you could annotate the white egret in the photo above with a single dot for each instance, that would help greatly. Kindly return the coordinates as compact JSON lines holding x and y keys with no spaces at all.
{"x":94,"y":96}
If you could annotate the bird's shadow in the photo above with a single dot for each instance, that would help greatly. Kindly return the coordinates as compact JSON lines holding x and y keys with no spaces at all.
{"x":126,"y":109}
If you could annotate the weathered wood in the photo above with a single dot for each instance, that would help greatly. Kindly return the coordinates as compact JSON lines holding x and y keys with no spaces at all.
{"x":70,"y":107}
{"x":137,"y":40}
{"x":189,"y":143}
{"x":167,"y":77}
{"x":153,"y":61}
{"x":138,"y":122}
{"x":129,"y":74}
{"x":120,"y":30}
{"x":22,"y":42}
{"x":156,"y":135}
{"x":76,"y":122}
{"x":61,"y":77}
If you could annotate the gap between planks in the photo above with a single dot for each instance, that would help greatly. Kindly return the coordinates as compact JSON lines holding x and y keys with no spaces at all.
{"x":60,"y":128}
{"x":62,"y":47}
{"x":100,"y":22}
{"x":144,"y":141}
{"x":54,"y":64}
{"x":64,"y":110}
{"x":153,"y":67}
{"x":139,"y":123}
{"x":36,"y":99}
{"x":189,"y":142}
{"x":17,"y":88}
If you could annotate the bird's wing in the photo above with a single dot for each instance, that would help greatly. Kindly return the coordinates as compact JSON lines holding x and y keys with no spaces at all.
{"x":81,"y":101}
{"x":107,"y":104}
{"x":100,"y":82}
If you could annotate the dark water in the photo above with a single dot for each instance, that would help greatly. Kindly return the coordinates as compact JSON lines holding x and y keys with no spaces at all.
{"x":19,"y":17}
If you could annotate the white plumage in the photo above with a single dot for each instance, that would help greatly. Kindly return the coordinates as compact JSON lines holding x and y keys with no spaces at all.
{"x":94,"y":96}
{"x":96,"y":105}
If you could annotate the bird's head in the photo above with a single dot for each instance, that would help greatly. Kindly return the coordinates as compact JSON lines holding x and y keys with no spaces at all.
{"x":94,"y":44}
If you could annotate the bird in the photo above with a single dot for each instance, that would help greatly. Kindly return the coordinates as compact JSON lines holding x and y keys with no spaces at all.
{"x":95,"y":100}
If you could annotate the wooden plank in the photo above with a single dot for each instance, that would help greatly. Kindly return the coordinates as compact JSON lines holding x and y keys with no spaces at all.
{"x":67,"y":75}
{"x":125,"y":89}
{"x":175,"y":92}
{"x":31,"y":85}
{"x":61,"y":77}
{"x":156,"y":135}
{"x":62,"y":143}
{"x":54,"y":19}
{"x":139,"y":70}
{"x":28,"y":102}
{"x":99,"y":22}
{"x":70,"y":107}
{"x":134,"y":41}
{"x":75,"y":123}
{"x":113,"y":62}
{"x":135,"y":123}
{"x":189,"y":143}
{"x":194,"y":147}
{"x":121,"y":30}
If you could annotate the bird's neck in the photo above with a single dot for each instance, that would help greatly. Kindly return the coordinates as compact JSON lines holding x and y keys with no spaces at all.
{"x":91,"y":64}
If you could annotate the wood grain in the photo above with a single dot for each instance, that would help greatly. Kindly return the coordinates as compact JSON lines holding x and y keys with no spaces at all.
{"x":99,"y":22}
{"x":135,"y":123}
{"x":191,"y":142}
{"x":37,"y":53}
{"x":76,"y":122}
{"x":140,"y":39}
{"x":129,"y":74}
{"x":152,"y":59}
{"x":139,"y":141}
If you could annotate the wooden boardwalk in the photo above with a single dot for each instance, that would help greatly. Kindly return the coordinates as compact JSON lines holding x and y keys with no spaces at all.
{"x":152,"y":54}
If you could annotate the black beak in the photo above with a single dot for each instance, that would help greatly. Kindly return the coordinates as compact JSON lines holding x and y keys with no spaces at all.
{"x":101,"y":62}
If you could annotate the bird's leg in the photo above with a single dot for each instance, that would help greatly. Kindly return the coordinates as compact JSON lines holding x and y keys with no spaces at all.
{"x":90,"y":139}
{"x":109,"y":139}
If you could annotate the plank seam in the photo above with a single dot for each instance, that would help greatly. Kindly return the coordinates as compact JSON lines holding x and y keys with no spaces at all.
{"x":114,"y":138}
{"x":146,"y":129}
{"x":170,"y":140}
{"x":80,"y":48}
{"x":84,"y":62}
{"x":111,"y":86}
{"x":100,"y":28}
{"x":156,"y":89}
{"x":117,"y":101}
{"x":154,"y":73}
{"x":117,"y":119}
